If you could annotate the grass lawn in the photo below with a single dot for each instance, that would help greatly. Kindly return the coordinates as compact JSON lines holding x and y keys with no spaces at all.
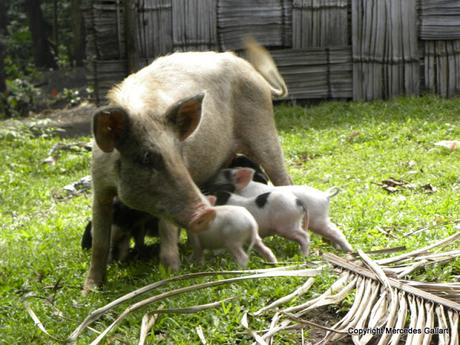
{"x":350,"y":145}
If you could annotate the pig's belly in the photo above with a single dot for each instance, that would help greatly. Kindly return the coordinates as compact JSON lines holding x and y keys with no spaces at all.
{"x":211,"y":240}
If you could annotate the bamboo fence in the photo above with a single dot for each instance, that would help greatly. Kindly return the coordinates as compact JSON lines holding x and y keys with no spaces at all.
{"x":325,"y":49}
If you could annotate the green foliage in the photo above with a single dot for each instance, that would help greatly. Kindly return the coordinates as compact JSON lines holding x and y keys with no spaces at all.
{"x":71,"y":96}
{"x":23,"y":97}
{"x":345,"y":144}
{"x":20,"y":71}
{"x":18,"y":59}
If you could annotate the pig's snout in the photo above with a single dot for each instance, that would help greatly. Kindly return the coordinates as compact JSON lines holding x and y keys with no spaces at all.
{"x":201,"y":219}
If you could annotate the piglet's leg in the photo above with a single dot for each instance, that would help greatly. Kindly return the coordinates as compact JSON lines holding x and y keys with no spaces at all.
{"x":120,"y":241}
{"x":264,"y":251}
{"x":240,"y":256}
{"x":194,"y":241}
{"x":300,"y":236}
{"x":139,"y":232}
{"x":330,"y":232}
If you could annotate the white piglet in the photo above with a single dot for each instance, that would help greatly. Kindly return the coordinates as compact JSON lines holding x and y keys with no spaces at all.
{"x":276,"y":213}
{"x":232,"y":228}
{"x":314,"y":200}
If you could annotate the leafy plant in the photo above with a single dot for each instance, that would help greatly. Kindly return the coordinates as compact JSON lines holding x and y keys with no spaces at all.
{"x":23,"y":97}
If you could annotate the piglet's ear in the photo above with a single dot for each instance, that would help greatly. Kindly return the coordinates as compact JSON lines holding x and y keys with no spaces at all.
{"x":242,"y":177}
{"x":201,"y":224}
{"x":185,"y":115}
{"x":109,"y":125}
{"x":212,"y":200}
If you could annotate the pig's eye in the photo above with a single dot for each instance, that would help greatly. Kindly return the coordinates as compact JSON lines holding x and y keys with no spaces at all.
{"x":152,"y":160}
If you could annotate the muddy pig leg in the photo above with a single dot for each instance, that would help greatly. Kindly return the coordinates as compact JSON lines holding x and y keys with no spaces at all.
{"x":102,"y":219}
{"x":169,"y":249}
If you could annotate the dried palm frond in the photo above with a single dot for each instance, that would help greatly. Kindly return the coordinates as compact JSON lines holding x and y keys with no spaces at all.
{"x":290,"y":271}
{"x":382,"y":300}
{"x":385,"y":307}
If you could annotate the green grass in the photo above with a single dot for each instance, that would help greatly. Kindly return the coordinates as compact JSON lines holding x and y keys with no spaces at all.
{"x":350,"y":145}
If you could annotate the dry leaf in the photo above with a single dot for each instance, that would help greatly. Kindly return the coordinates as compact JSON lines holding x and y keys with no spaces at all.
{"x":393,"y":185}
{"x":353,"y":135}
{"x":429,"y":188}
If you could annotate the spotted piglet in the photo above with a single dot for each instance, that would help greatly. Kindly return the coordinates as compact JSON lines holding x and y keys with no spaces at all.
{"x":314,"y":200}
{"x":276,"y":213}
{"x":232,"y":228}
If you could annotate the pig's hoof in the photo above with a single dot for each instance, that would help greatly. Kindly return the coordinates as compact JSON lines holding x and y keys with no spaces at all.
{"x":90,"y":286}
{"x":171,"y":262}
{"x":346,"y":247}
{"x":305,"y":252}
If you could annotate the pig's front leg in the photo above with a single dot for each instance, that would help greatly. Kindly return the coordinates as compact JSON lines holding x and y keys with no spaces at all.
{"x":102,"y":221}
{"x":194,"y":241}
{"x":169,"y":249}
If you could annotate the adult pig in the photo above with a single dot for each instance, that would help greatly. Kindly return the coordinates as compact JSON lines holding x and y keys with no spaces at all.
{"x":171,"y":126}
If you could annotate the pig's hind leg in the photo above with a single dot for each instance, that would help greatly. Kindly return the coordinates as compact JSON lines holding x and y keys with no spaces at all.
{"x":239,"y":254}
{"x":264,"y":251}
{"x":330,"y":232}
{"x":266,"y":150}
{"x":257,"y":133}
{"x":299,"y":235}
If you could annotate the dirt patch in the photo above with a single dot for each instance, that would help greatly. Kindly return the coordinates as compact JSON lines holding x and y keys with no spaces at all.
{"x":325,"y":317}
{"x":74,"y":122}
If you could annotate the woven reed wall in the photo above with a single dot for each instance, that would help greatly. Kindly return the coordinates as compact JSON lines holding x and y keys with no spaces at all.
{"x":325,"y":49}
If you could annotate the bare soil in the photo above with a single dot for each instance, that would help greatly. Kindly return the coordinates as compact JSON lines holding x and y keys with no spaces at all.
{"x":75,"y":121}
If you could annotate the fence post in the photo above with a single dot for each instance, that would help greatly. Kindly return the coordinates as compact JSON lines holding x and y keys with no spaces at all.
{"x":131,"y":34}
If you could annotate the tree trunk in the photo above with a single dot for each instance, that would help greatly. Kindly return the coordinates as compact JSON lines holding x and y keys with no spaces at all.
{"x":78,"y":42}
{"x":40,"y":44}
{"x":2,"y":67}
{"x":3,"y":24}
{"x":132,"y":49}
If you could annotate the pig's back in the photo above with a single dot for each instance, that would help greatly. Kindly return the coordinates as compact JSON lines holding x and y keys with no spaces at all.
{"x":316,"y":202}
{"x":154,"y":89}
{"x":254,"y":189}
{"x":282,"y":208}
{"x":307,"y":193}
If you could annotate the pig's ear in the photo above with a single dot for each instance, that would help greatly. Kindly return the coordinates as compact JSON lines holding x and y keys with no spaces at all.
{"x":185,"y":115}
{"x":109,"y":124}
{"x":242,"y":177}
{"x":212,"y":200}
{"x":201,"y":224}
